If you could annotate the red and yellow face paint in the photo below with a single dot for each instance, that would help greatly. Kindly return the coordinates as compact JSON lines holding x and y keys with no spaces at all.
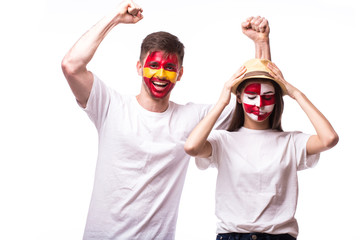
{"x":259,"y":100}
{"x":160,"y":73}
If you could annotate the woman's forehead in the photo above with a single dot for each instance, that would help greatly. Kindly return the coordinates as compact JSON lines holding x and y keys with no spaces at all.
{"x":259,"y":87}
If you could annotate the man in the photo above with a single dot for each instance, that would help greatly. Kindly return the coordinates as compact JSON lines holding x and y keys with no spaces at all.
{"x":141,"y":161}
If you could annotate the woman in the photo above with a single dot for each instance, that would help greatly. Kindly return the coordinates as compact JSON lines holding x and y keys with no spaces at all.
{"x":257,"y":162}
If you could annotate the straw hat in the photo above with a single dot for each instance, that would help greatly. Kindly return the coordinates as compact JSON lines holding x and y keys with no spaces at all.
{"x":257,"y":68}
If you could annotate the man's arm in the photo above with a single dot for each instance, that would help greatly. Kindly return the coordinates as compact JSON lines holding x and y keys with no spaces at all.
{"x":75,"y":61}
{"x":258,"y":30}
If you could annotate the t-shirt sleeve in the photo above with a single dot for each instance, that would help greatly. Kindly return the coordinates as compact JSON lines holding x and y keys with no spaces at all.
{"x":304,"y":161}
{"x":98,"y":103}
{"x":204,"y":163}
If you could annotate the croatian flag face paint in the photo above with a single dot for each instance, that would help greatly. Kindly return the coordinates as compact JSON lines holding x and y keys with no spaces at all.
{"x":160,"y":73}
{"x":259,"y":100}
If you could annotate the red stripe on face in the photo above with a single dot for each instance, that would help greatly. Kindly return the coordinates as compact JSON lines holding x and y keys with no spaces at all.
{"x":157,"y":60}
{"x":264,"y":116}
{"x":158,"y":91}
{"x":253,"y":88}
{"x":266,"y":100}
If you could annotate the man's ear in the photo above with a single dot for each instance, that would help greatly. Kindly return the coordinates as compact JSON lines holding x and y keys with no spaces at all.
{"x":139,"y":68}
{"x":238,"y":97}
{"x":180,"y":73}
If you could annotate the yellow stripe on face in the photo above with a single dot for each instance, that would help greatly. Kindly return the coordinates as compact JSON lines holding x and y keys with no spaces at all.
{"x":160,"y":73}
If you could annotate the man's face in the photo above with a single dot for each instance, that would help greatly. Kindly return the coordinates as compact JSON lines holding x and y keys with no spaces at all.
{"x":160,"y":73}
{"x":258,"y":100}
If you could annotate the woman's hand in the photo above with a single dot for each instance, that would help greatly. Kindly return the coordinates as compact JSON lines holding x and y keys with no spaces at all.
{"x":226,"y":92}
{"x":277,"y":74}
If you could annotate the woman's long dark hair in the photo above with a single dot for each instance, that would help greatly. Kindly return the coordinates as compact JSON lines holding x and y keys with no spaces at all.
{"x":238,"y":118}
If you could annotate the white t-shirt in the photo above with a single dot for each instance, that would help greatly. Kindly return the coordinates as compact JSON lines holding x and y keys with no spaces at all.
{"x":141,"y":165}
{"x":257,"y":185}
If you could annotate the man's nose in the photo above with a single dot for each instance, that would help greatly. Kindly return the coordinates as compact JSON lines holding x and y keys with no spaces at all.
{"x":161,"y":74}
{"x":166,"y":75}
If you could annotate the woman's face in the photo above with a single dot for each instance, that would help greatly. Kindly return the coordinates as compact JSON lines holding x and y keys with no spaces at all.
{"x":258,"y":100}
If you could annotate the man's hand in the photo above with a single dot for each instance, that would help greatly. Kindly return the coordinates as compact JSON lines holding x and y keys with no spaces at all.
{"x":129,"y":12}
{"x":256,"y":28}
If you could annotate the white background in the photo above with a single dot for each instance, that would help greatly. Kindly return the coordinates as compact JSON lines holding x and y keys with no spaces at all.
{"x":48,"y":146}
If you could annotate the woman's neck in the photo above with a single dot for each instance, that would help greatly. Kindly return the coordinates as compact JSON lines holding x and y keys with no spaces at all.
{"x":251,"y":124}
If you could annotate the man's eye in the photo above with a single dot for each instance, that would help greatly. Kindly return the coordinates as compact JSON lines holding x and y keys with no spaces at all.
{"x":170,"y":68}
{"x":153,"y":65}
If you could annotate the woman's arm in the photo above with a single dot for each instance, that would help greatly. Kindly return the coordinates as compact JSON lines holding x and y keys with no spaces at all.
{"x":326,"y":136}
{"x":197,"y":145}
{"x":258,"y":30}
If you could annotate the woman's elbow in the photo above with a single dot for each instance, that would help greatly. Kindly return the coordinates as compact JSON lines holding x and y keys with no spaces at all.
{"x":331,"y":141}
{"x":190,"y":149}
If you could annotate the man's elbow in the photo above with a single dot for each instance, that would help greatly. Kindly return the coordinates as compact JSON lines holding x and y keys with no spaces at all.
{"x":69,"y":66}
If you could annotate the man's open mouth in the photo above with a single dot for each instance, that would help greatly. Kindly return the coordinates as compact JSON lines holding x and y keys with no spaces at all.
{"x":160,"y":84}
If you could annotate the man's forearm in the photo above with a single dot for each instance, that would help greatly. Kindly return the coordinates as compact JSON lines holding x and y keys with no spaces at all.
{"x":74,"y":64}
{"x":84,"y":49}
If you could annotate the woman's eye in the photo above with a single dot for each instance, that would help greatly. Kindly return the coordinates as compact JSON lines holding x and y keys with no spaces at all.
{"x":251,"y":97}
{"x":268,"y":97}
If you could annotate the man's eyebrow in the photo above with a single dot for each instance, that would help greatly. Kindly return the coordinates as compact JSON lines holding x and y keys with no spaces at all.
{"x":153,"y":63}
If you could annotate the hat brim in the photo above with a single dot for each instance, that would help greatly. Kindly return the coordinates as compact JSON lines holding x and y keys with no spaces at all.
{"x":258,"y":74}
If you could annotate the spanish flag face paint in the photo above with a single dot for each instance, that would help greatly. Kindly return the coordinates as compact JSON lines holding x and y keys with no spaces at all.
{"x":259,"y":100}
{"x":160,"y":73}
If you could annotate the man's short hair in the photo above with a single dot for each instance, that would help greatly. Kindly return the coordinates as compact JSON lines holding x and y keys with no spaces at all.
{"x":162,"y":41}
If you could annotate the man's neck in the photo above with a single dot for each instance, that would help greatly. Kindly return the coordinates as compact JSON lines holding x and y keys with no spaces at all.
{"x":153,"y":104}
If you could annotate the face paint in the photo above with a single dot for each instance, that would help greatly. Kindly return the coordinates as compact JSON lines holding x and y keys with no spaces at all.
{"x":259,"y":100}
{"x":160,"y":73}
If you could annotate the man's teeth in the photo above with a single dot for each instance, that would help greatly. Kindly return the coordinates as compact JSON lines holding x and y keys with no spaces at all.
{"x":160,"y":84}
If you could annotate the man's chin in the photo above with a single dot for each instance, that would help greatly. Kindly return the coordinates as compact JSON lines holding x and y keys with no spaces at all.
{"x":159,"y":96}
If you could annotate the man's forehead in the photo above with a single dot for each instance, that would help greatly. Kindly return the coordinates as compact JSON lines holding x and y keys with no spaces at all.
{"x":161,"y":55}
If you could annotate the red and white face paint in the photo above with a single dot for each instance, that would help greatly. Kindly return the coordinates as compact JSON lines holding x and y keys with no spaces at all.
{"x":259,"y":100}
{"x":160,"y":73}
